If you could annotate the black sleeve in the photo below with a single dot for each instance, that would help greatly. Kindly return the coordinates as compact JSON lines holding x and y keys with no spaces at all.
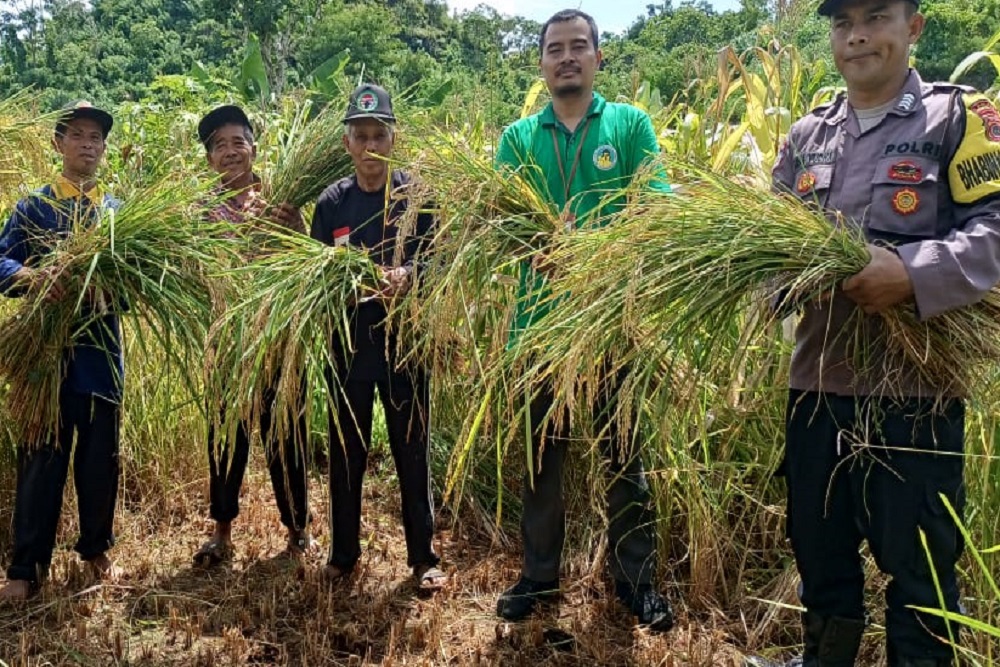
{"x":318,"y":228}
{"x":324,"y":215}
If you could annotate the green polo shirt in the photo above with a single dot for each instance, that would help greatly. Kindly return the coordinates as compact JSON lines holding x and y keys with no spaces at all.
{"x":612,"y":142}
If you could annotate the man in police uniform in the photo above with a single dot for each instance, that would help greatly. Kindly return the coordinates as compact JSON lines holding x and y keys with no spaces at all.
{"x":230,"y":148}
{"x":91,"y":389}
{"x":583,"y":147}
{"x":917,"y":167}
{"x":363,"y":210}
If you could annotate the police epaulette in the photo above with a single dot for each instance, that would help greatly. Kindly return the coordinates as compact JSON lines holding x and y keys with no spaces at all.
{"x":947,"y":86}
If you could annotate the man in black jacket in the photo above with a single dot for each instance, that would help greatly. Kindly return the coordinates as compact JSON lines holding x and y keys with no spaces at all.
{"x":363,"y":210}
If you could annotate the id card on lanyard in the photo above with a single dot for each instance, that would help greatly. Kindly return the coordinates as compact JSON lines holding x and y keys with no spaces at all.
{"x":568,"y":217}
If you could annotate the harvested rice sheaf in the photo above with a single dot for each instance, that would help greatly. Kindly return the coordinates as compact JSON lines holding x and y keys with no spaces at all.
{"x":274,"y":343}
{"x":24,"y":145}
{"x":149,"y":260}
{"x":672,"y":270}
{"x":310,"y":157}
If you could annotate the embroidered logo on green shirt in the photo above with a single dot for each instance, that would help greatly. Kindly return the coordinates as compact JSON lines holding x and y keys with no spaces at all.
{"x":605,"y":157}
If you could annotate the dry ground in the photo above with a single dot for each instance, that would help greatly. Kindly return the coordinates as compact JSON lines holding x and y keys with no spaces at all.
{"x":266,"y":610}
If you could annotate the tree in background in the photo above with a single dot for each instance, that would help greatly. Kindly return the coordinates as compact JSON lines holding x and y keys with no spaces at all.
{"x":116,"y":50}
{"x":956,"y":28}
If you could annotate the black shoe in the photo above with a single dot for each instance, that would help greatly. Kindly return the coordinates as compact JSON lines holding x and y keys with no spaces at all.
{"x":829,"y":641}
{"x":651,"y":608}
{"x":517,"y":602}
{"x":922,"y":662}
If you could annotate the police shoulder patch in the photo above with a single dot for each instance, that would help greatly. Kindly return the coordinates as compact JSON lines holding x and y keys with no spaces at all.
{"x":805,"y":183}
{"x":906,"y":201}
{"x":974,"y":172}
{"x":988,"y":113}
{"x":906,"y":102}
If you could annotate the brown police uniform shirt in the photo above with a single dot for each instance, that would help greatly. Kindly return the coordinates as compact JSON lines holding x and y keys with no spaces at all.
{"x":926,"y":181}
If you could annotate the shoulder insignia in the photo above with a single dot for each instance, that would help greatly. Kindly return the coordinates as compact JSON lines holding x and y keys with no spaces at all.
{"x":906,"y":102}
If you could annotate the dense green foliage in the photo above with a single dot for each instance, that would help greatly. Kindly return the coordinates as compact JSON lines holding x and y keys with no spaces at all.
{"x":118,"y":50}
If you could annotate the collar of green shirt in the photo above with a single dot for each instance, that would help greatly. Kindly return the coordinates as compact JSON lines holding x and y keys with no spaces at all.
{"x":548,"y":115}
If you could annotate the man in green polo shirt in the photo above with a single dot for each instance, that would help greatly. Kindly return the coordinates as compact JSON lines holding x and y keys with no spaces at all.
{"x":576,"y":151}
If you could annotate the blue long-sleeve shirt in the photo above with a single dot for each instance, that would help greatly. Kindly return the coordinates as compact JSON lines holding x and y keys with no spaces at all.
{"x":94,"y":364}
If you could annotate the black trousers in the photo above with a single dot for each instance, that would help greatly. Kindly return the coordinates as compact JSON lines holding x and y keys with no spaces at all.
{"x":286,"y":463}
{"x":405,"y":398}
{"x":41,"y":478}
{"x":867,"y":468}
{"x":631,"y":518}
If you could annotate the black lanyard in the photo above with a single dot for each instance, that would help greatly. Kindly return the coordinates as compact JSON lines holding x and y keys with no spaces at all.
{"x":568,"y":182}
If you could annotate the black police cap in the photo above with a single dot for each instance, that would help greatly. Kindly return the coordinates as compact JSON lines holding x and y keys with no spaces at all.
{"x":369,"y":101}
{"x":828,"y":7}
{"x":227,"y":114}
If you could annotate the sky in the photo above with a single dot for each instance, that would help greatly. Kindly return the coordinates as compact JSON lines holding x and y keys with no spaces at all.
{"x":611,"y":15}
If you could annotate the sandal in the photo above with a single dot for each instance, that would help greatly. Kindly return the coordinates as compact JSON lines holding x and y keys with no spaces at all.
{"x":429,"y":577}
{"x":212,"y":553}
{"x":18,"y":591}
{"x":104,"y":569}
{"x":334,"y":574}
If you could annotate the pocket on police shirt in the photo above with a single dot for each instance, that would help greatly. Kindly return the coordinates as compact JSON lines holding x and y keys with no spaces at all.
{"x":904,"y":199}
{"x":812,"y":184}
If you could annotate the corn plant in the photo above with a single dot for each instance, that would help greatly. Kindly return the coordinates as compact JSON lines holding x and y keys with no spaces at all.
{"x":991,"y":53}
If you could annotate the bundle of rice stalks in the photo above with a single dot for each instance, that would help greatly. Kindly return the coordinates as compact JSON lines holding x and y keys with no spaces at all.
{"x":150,"y":260}
{"x":487,"y":222}
{"x":24,"y":134}
{"x":309,"y":157}
{"x":490,"y":222}
{"x":673,"y":272}
{"x":481,"y":197}
{"x":276,"y":340}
